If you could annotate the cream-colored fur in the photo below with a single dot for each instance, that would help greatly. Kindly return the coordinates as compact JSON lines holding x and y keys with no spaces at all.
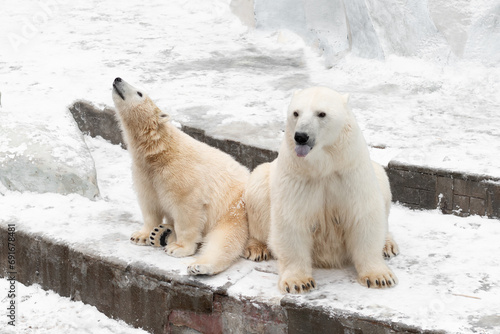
{"x":326,"y":209}
{"x":197,"y":189}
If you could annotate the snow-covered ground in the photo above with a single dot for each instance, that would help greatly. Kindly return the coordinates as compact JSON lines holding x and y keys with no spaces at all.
{"x":449,"y":269}
{"x":208,"y":70}
{"x":45,"y":312}
{"x":201,"y":64}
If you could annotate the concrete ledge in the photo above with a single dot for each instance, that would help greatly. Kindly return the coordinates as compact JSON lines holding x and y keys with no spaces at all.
{"x":169,"y":303}
{"x":414,"y":186}
{"x":452,"y":192}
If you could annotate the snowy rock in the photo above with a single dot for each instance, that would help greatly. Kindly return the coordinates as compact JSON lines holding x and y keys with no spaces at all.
{"x":362,"y":34}
{"x":94,"y":121}
{"x":484,"y":36}
{"x":42,"y":157}
{"x":320,"y":22}
{"x":379,"y":28}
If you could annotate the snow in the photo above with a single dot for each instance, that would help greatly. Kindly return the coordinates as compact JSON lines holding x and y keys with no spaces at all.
{"x":448,"y":272}
{"x":44,"y":312}
{"x":200,"y":64}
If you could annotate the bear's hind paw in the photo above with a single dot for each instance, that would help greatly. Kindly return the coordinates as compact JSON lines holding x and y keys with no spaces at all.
{"x":159,"y":236}
{"x":200,"y":269}
{"x":391,"y":248}
{"x":257,"y":251}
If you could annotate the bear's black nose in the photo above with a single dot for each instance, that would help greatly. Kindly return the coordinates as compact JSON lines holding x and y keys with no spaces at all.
{"x":301,"y":138}
{"x":117,"y":80}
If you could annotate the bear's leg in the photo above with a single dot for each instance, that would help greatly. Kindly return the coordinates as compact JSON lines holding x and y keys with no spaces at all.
{"x":152,"y":214}
{"x":364,"y":241}
{"x":257,"y":251}
{"x":224,"y":244}
{"x":189,"y":222}
{"x":292,"y":247}
{"x":152,"y":217}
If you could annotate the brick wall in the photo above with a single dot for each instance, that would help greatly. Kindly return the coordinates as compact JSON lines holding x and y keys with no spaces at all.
{"x":452,"y":193}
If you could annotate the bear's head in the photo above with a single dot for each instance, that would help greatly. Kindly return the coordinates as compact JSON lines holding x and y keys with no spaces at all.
{"x":134,"y":105}
{"x":316,"y":118}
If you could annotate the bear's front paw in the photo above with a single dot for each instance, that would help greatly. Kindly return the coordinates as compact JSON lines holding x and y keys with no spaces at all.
{"x":297,"y":285}
{"x":379,"y":280}
{"x":177,"y":249}
{"x":140,"y":238}
{"x":159,"y":236}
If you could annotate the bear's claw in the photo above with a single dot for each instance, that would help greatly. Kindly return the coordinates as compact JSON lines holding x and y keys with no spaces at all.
{"x":297,"y":285}
{"x":139,"y":238}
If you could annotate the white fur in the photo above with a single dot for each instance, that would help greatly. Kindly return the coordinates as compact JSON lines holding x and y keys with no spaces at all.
{"x":329,"y":208}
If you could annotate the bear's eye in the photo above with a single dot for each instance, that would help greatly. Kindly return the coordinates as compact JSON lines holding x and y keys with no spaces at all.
{"x":295,"y":114}
{"x":321,"y":114}
{"x":139,"y":93}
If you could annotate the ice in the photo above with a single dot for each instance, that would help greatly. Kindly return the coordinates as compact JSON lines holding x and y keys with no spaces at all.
{"x":42,"y":157}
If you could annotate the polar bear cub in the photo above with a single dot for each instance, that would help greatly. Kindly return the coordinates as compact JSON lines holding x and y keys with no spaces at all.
{"x":322,"y":202}
{"x":197,"y":189}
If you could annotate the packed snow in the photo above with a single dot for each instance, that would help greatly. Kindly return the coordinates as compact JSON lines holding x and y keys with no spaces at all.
{"x":45,"y":312}
{"x":202,"y":65}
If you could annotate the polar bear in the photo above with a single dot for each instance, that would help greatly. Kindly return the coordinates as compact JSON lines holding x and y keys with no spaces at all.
{"x":322,"y":202}
{"x":196,"y":188}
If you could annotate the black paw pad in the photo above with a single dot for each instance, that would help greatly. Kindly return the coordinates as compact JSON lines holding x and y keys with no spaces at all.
{"x":164,"y":236}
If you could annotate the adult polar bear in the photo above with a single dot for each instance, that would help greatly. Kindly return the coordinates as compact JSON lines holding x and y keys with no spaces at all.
{"x":326,"y":202}
{"x":193,"y":186}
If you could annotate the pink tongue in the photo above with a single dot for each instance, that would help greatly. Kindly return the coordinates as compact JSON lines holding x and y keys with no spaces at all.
{"x":302,"y":150}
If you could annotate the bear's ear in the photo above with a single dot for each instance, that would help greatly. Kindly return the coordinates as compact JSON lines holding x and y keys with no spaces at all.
{"x":164,"y":117}
{"x":346,"y":97}
{"x":295,"y":92}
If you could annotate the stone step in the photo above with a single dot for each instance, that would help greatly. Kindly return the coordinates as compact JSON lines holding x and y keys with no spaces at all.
{"x":165,"y":302}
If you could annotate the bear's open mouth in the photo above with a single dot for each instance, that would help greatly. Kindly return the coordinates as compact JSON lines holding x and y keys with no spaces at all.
{"x":117,"y":90}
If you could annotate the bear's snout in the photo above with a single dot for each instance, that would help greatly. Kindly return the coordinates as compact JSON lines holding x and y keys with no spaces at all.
{"x":118,"y":87}
{"x":301,"y":138}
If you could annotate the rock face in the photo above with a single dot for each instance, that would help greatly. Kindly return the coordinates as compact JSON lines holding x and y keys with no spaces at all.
{"x":42,"y":157}
{"x":94,"y":121}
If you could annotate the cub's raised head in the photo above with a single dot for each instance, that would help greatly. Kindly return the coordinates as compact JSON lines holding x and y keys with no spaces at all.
{"x":315,"y":119}
{"x":133,"y":104}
